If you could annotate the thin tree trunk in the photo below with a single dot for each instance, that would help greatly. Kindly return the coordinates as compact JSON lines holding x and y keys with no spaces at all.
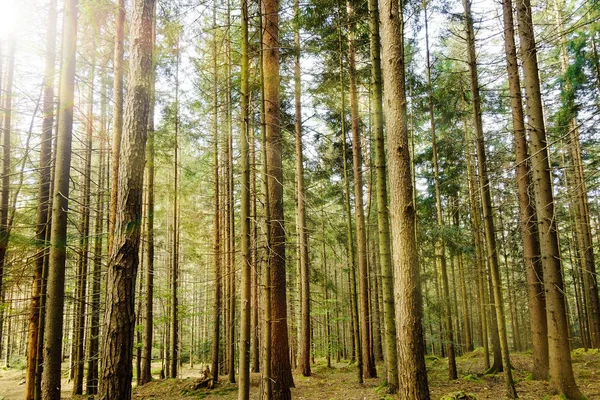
{"x":440,"y":251}
{"x":117,"y":349}
{"x":93,"y":353}
{"x":36,"y":323}
{"x":486,"y":201}
{"x":117,"y":117}
{"x":53,"y":326}
{"x":246,"y":289}
{"x":411,"y":351}
{"x":304,"y":339}
{"x":84,"y":243}
{"x":216,"y":210}
{"x":369,"y":370}
{"x":146,"y":373}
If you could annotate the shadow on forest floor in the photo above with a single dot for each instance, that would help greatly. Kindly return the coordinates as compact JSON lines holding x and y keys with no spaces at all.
{"x":339,"y":382}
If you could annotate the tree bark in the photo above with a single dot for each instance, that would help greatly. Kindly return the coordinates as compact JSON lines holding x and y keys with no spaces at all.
{"x":246,"y":289}
{"x":560,"y":367}
{"x":527,"y":222}
{"x":486,"y":202}
{"x":383,"y":218}
{"x":117,"y":349}
{"x":36,"y":323}
{"x":280,"y":363}
{"x":53,"y":325}
{"x":146,"y":372}
{"x":407,"y":290}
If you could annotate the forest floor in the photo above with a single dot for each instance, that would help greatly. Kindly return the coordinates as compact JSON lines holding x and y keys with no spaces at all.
{"x":339,"y":382}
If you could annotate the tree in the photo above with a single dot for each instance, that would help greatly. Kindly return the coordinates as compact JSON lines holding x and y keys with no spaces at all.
{"x":281,"y":373}
{"x":36,"y":322}
{"x":383,"y":223}
{"x":244,"y":386}
{"x":531,"y":245}
{"x":117,"y":348}
{"x":412,"y":373}
{"x":560,"y":368}
{"x":304,"y":339}
{"x":55,"y":292}
{"x":486,"y":200}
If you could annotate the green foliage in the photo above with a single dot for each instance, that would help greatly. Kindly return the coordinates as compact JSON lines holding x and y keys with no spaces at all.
{"x":459,"y":396}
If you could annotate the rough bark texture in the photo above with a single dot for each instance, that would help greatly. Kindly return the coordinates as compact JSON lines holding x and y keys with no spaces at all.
{"x":53,"y":325}
{"x":560,"y":367}
{"x":411,"y":351}
{"x":281,"y":373}
{"x":383,"y":221}
{"x":527,"y":222}
{"x":117,"y":348}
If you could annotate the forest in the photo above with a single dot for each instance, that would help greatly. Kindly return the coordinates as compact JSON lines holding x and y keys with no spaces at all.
{"x":316,"y":199}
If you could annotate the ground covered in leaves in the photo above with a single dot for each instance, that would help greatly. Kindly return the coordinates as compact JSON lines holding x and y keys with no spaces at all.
{"x":339,"y":382}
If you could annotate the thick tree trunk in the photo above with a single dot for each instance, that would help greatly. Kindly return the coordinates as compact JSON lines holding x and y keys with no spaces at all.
{"x":53,"y":326}
{"x":383,"y":221}
{"x":560,"y":367}
{"x":527,"y":222}
{"x":280,"y":363}
{"x":411,"y":351}
{"x":117,"y":349}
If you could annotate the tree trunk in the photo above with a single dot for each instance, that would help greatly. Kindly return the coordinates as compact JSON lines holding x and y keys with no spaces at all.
{"x":304,"y":339}
{"x":117,"y":349}
{"x":411,"y":352}
{"x":486,"y":202}
{"x":440,"y":251}
{"x":93,"y":353}
{"x":217,"y":211}
{"x":117,"y":118}
{"x":246,"y":289}
{"x":280,"y":363}
{"x":175,"y":239}
{"x":527,"y":222}
{"x":36,"y":323}
{"x":383,"y":222}
{"x":146,"y":373}
{"x":355,"y":338}
{"x":560,"y":367}
{"x":84,"y":243}
{"x":53,"y":326}
{"x":369,"y":370}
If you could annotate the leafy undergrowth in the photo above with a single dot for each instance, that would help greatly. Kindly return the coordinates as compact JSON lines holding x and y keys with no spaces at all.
{"x":340,"y":382}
